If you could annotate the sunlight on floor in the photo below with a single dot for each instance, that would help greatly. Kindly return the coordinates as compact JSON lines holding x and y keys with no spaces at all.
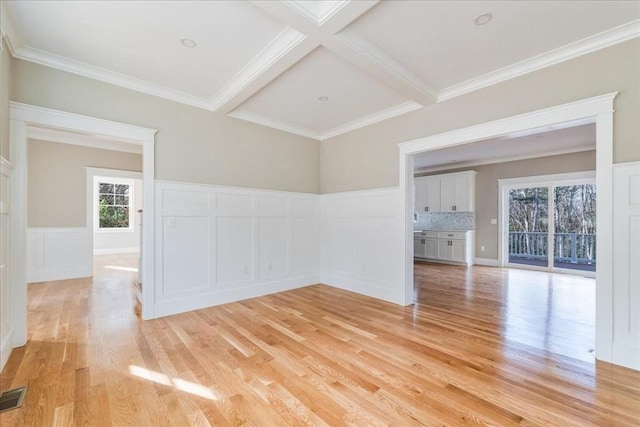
{"x":117,"y":267}
{"x":177,"y":383}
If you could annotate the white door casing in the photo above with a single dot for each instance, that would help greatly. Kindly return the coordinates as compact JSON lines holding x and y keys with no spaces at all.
{"x":24,"y":118}
{"x":598,"y":110}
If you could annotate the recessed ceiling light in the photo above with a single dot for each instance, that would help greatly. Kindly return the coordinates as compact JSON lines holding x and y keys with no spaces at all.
{"x":188,"y":43}
{"x":483,"y":19}
{"x":323,"y":98}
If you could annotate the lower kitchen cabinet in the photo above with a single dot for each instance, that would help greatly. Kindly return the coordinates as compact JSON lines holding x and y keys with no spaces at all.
{"x":456,"y":247}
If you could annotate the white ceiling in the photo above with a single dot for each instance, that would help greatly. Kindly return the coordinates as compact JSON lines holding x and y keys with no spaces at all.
{"x":269,"y":61}
{"x":568,"y":137}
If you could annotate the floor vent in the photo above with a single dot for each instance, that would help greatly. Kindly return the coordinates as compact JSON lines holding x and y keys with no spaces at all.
{"x":12,"y":399}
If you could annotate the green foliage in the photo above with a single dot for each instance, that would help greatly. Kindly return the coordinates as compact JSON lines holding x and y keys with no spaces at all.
{"x":113,"y":216}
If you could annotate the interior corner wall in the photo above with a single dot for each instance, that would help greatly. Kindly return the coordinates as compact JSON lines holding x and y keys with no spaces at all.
{"x":487,"y":189}
{"x":192,"y":145}
{"x":5,"y":89}
{"x":368,"y":158}
{"x":57,"y":179}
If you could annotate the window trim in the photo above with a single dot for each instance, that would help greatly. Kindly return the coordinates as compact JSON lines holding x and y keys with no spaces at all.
{"x":97,"y":179}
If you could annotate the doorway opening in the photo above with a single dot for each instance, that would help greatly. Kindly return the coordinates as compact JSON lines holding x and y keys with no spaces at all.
{"x":27,"y":120}
{"x":598,"y":111}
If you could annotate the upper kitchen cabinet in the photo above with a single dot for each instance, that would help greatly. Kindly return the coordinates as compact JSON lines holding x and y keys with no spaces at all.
{"x":427,"y":195}
{"x":452,"y":192}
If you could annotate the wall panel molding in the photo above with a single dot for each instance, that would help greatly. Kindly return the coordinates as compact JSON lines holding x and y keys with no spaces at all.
{"x":58,"y":253}
{"x":218,"y":244}
{"x":361,"y":243}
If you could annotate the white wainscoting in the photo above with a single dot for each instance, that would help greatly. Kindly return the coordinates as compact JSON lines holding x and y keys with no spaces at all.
{"x":58,"y":253}
{"x":361,"y":243}
{"x":220,"y":244}
{"x":626,"y":264}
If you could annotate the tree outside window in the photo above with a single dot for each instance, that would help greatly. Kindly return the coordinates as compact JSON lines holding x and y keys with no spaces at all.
{"x":114,"y":205}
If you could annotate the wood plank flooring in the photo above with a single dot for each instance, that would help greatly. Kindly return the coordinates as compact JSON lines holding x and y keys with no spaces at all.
{"x":481,"y":346}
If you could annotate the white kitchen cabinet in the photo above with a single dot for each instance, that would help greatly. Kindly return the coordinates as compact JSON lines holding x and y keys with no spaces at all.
{"x":455,"y":247}
{"x":454,"y":192}
{"x":427,"y":195}
{"x":418,"y":247}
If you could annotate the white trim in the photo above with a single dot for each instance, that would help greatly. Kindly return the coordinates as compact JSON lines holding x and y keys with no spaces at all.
{"x":22,"y":118}
{"x":356,"y":49}
{"x":83,"y":69}
{"x":41,"y":116}
{"x":110,"y":251}
{"x":585,"y":46}
{"x":6,"y":164}
{"x":5,"y":348}
{"x":600,"y":109}
{"x":91,"y":141}
{"x":379,"y":116}
{"x":288,"y":39}
{"x":274,"y":124}
{"x":469,"y":164}
{"x":317,"y":18}
{"x":579,"y":110}
{"x":10,"y":34}
{"x":489,"y":262}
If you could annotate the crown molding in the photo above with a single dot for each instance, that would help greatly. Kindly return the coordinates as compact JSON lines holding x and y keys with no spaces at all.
{"x":380,"y":116}
{"x":339,"y":130}
{"x":302,"y":7}
{"x":91,"y":141}
{"x":279,"y":47}
{"x":80,"y":68}
{"x":6,"y":163}
{"x":275,"y":124}
{"x":573,"y":50}
{"x":11,"y":35}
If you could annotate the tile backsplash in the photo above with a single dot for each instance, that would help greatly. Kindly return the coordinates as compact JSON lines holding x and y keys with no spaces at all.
{"x":445,"y":221}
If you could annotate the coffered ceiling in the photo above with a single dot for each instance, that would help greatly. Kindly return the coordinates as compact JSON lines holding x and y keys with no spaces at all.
{"x":314,"y":68}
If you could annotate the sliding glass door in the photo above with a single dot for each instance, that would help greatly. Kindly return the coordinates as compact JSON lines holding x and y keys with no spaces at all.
{"x":550,"y":225}
{"x":529,"y":226}
{"x":574,"y":211}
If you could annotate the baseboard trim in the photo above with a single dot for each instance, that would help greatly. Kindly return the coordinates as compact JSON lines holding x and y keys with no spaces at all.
{"x":112,"y":251}
{"x":363,"y":287}
{"x":175,"y":304}
{"x":52,"y":275}
{"x":487,"y":261}
{"x":6,"y":346}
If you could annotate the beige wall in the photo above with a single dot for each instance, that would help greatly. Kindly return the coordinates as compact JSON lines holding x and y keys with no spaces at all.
{"x":192,"y":145}
{"x":57,"y":180}
{"x":487,"y":189}
{"x":368,"y":157}
{"x":5,"y":76}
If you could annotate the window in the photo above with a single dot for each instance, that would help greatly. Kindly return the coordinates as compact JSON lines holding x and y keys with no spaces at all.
{"x":114,"y":204}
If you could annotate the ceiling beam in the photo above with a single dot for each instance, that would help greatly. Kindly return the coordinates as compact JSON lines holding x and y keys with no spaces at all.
{"x":306,"y":32}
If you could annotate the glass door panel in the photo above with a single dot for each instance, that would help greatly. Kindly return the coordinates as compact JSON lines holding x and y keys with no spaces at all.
{"x":575,"y":227}
{"x":529,"y":226}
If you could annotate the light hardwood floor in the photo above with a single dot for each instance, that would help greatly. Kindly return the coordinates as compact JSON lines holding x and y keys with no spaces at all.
{"x":481,"y":346}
